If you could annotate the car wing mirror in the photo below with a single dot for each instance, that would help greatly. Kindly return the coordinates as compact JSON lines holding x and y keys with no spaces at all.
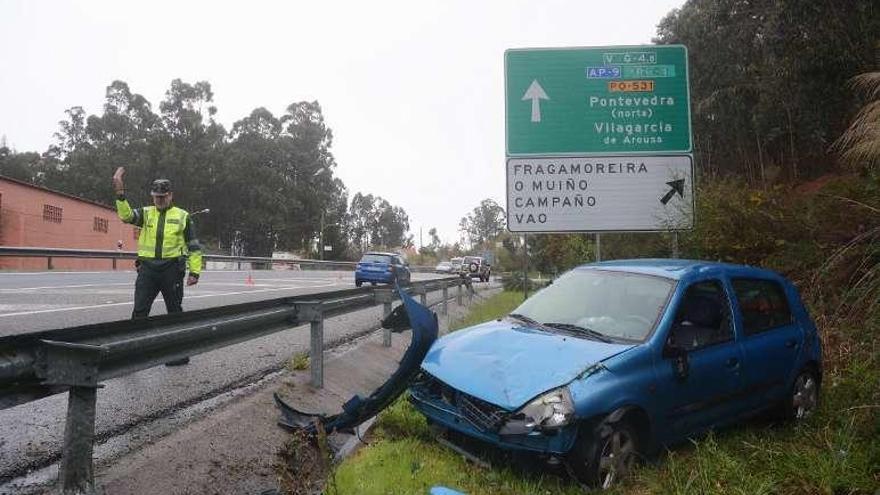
{"x":678,"y":358}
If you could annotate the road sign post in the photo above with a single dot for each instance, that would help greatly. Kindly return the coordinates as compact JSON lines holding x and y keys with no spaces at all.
{"x":598,"y":139}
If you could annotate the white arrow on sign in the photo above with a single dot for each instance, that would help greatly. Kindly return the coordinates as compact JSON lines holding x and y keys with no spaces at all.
{"x":536,"y":94}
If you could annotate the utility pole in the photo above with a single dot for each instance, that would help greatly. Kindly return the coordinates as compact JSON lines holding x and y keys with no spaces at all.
{"x":525,"y":267}
{"x":321,"y":238}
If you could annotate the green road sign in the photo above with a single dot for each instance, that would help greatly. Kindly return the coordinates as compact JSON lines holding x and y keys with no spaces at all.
{"x":615,"y":99}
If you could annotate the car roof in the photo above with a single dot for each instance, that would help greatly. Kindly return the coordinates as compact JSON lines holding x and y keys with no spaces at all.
{"x":677,"y":269}
{"x":381,"y":253}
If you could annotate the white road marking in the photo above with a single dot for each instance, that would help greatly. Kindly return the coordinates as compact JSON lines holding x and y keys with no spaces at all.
{"x":77,"y":308}
{"x":63,"y":273}
{"x":233,"y":284}
{"x":62,"y":287}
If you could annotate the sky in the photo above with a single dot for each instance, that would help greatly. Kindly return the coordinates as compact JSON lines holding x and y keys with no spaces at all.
{"x":412,"y":90}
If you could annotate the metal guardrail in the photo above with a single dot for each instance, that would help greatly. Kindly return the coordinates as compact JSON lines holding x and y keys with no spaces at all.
{"x":78,"y":359}
{"x":49,"y":253}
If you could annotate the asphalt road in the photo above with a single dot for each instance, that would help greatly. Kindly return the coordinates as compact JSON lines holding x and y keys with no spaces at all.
{"x":31,"y":302}
{"x":129,"y":407}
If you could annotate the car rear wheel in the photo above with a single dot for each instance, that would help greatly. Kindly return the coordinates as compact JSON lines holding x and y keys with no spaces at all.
{"x":603,"y":457}
{"x":803,"y":400}
{"x":358,"y":283}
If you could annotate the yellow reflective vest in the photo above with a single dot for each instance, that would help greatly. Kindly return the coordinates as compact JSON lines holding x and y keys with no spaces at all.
{"x":165,"y":234}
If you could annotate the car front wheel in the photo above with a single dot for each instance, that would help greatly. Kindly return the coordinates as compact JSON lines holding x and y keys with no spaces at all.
{"x":603,"y":457}
{"x":358,"y":283}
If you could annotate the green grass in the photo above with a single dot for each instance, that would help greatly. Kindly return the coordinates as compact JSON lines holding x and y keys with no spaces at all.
{"x":298,"y":362}
{"x":835,"y":452}
{"x":489,"y":309}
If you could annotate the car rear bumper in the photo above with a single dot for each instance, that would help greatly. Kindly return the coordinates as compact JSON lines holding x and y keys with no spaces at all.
{"x":383,"y":277}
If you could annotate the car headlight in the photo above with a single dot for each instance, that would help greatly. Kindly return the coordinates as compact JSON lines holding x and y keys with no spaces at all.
{"x":554,"y":409}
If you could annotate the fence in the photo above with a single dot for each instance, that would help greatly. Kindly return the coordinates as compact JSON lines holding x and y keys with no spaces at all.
{"x":50,"y":253}
{"x":78,"y":359}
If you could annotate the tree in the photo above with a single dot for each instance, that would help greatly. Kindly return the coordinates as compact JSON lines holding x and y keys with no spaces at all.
{"x":766,"y":79}
{"x":860,"y":143}
{"x":484,"y":223}
{"x":374,"y":222}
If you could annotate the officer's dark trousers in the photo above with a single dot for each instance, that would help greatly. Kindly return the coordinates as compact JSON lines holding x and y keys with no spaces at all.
{"x":151,"y":281}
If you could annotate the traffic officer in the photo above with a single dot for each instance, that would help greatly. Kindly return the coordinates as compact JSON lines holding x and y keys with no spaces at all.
{"x":167,"y":246}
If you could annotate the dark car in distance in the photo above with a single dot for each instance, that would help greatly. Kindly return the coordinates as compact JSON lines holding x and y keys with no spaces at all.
{"x":378,"y":267}
{"x":476,"y":267}
{"x":615,"y":360}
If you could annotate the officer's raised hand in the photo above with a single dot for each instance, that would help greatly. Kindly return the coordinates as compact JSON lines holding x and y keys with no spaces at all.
{"x":117,"y":180}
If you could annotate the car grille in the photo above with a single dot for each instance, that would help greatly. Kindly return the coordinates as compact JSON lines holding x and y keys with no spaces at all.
{"x":481,"y":414}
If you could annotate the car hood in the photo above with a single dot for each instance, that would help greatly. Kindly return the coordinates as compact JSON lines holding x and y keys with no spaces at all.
{"x":507,"y":363}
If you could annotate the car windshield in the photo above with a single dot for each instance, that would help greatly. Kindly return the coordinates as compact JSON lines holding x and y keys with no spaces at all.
{"x":471,"y":259}
{"x":614,"y":304}
{"x":376,"y":258}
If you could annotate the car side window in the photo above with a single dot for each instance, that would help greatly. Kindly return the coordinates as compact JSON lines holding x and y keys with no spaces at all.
{"x":762,"y":303}
{"x":702,"y":318}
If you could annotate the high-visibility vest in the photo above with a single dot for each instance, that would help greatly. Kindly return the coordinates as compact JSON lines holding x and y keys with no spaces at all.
{"x":162,"y":233}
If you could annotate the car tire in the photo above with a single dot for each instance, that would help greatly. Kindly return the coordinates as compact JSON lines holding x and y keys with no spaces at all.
{"x":604,"y":455}
{"x":358,"y":283}
{"x":802,"y":400}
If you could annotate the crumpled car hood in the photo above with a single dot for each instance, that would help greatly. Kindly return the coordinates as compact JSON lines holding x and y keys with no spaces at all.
{"x":507,"y":364}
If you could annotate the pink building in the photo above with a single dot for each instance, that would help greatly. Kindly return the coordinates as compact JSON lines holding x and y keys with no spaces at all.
{"x":33,"y":216}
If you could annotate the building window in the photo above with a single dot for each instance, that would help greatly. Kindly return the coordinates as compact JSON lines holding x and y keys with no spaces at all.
{"x":100,"y":225}
{"x":52,"y":213}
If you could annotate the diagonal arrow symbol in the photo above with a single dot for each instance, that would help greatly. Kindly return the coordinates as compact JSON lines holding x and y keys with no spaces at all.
{"x":677,"y":186}
{"x":536,"y":94}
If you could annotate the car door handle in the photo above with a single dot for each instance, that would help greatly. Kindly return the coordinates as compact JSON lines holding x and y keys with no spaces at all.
{"x":732,"y":363}
{"x":791,"y":343}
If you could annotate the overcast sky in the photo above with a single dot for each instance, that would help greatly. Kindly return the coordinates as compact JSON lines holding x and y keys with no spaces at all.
{"x":413,"y":90}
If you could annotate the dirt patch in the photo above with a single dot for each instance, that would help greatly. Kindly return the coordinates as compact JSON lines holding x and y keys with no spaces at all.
{"x":302,"y":464}
{"x":815,"y":185}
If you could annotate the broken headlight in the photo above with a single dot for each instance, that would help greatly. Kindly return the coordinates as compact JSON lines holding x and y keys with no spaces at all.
{"x":553,"y":409}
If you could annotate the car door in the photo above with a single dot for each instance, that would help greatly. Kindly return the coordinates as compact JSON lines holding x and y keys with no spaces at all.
{"x":699,"y":375}
{"x":771,"y":339}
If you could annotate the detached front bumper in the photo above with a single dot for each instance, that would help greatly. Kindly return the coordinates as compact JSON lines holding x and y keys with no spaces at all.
{"x":476,"y":419}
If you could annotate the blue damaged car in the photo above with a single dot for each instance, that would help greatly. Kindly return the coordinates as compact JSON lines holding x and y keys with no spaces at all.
{"x":616,"y":359}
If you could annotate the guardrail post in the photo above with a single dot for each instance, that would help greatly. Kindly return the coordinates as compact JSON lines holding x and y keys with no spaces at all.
{"x":421,"y":290}
{"x":314,"y":313}
{"x":75,"y":365}
{"x":385,"y":296}
{"x":458,"y":293}
{"x":49,"y":263}
{"x":445,"y":297}
{"x":114,"y":263}
{"x":76,"y":473}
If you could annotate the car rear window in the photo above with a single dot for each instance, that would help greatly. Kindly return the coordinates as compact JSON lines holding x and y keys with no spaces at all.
{"x":376,"y":258}
{"x":762,"y":303}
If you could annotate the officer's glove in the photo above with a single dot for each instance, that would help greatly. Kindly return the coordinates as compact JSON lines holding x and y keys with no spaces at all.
{"x":192,"y":279}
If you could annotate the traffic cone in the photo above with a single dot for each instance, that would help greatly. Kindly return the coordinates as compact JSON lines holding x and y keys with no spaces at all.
{"x":250,"y":280}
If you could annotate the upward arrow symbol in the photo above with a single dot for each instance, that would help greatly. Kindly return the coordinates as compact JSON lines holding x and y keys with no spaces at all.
{"x":536,"y":94}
